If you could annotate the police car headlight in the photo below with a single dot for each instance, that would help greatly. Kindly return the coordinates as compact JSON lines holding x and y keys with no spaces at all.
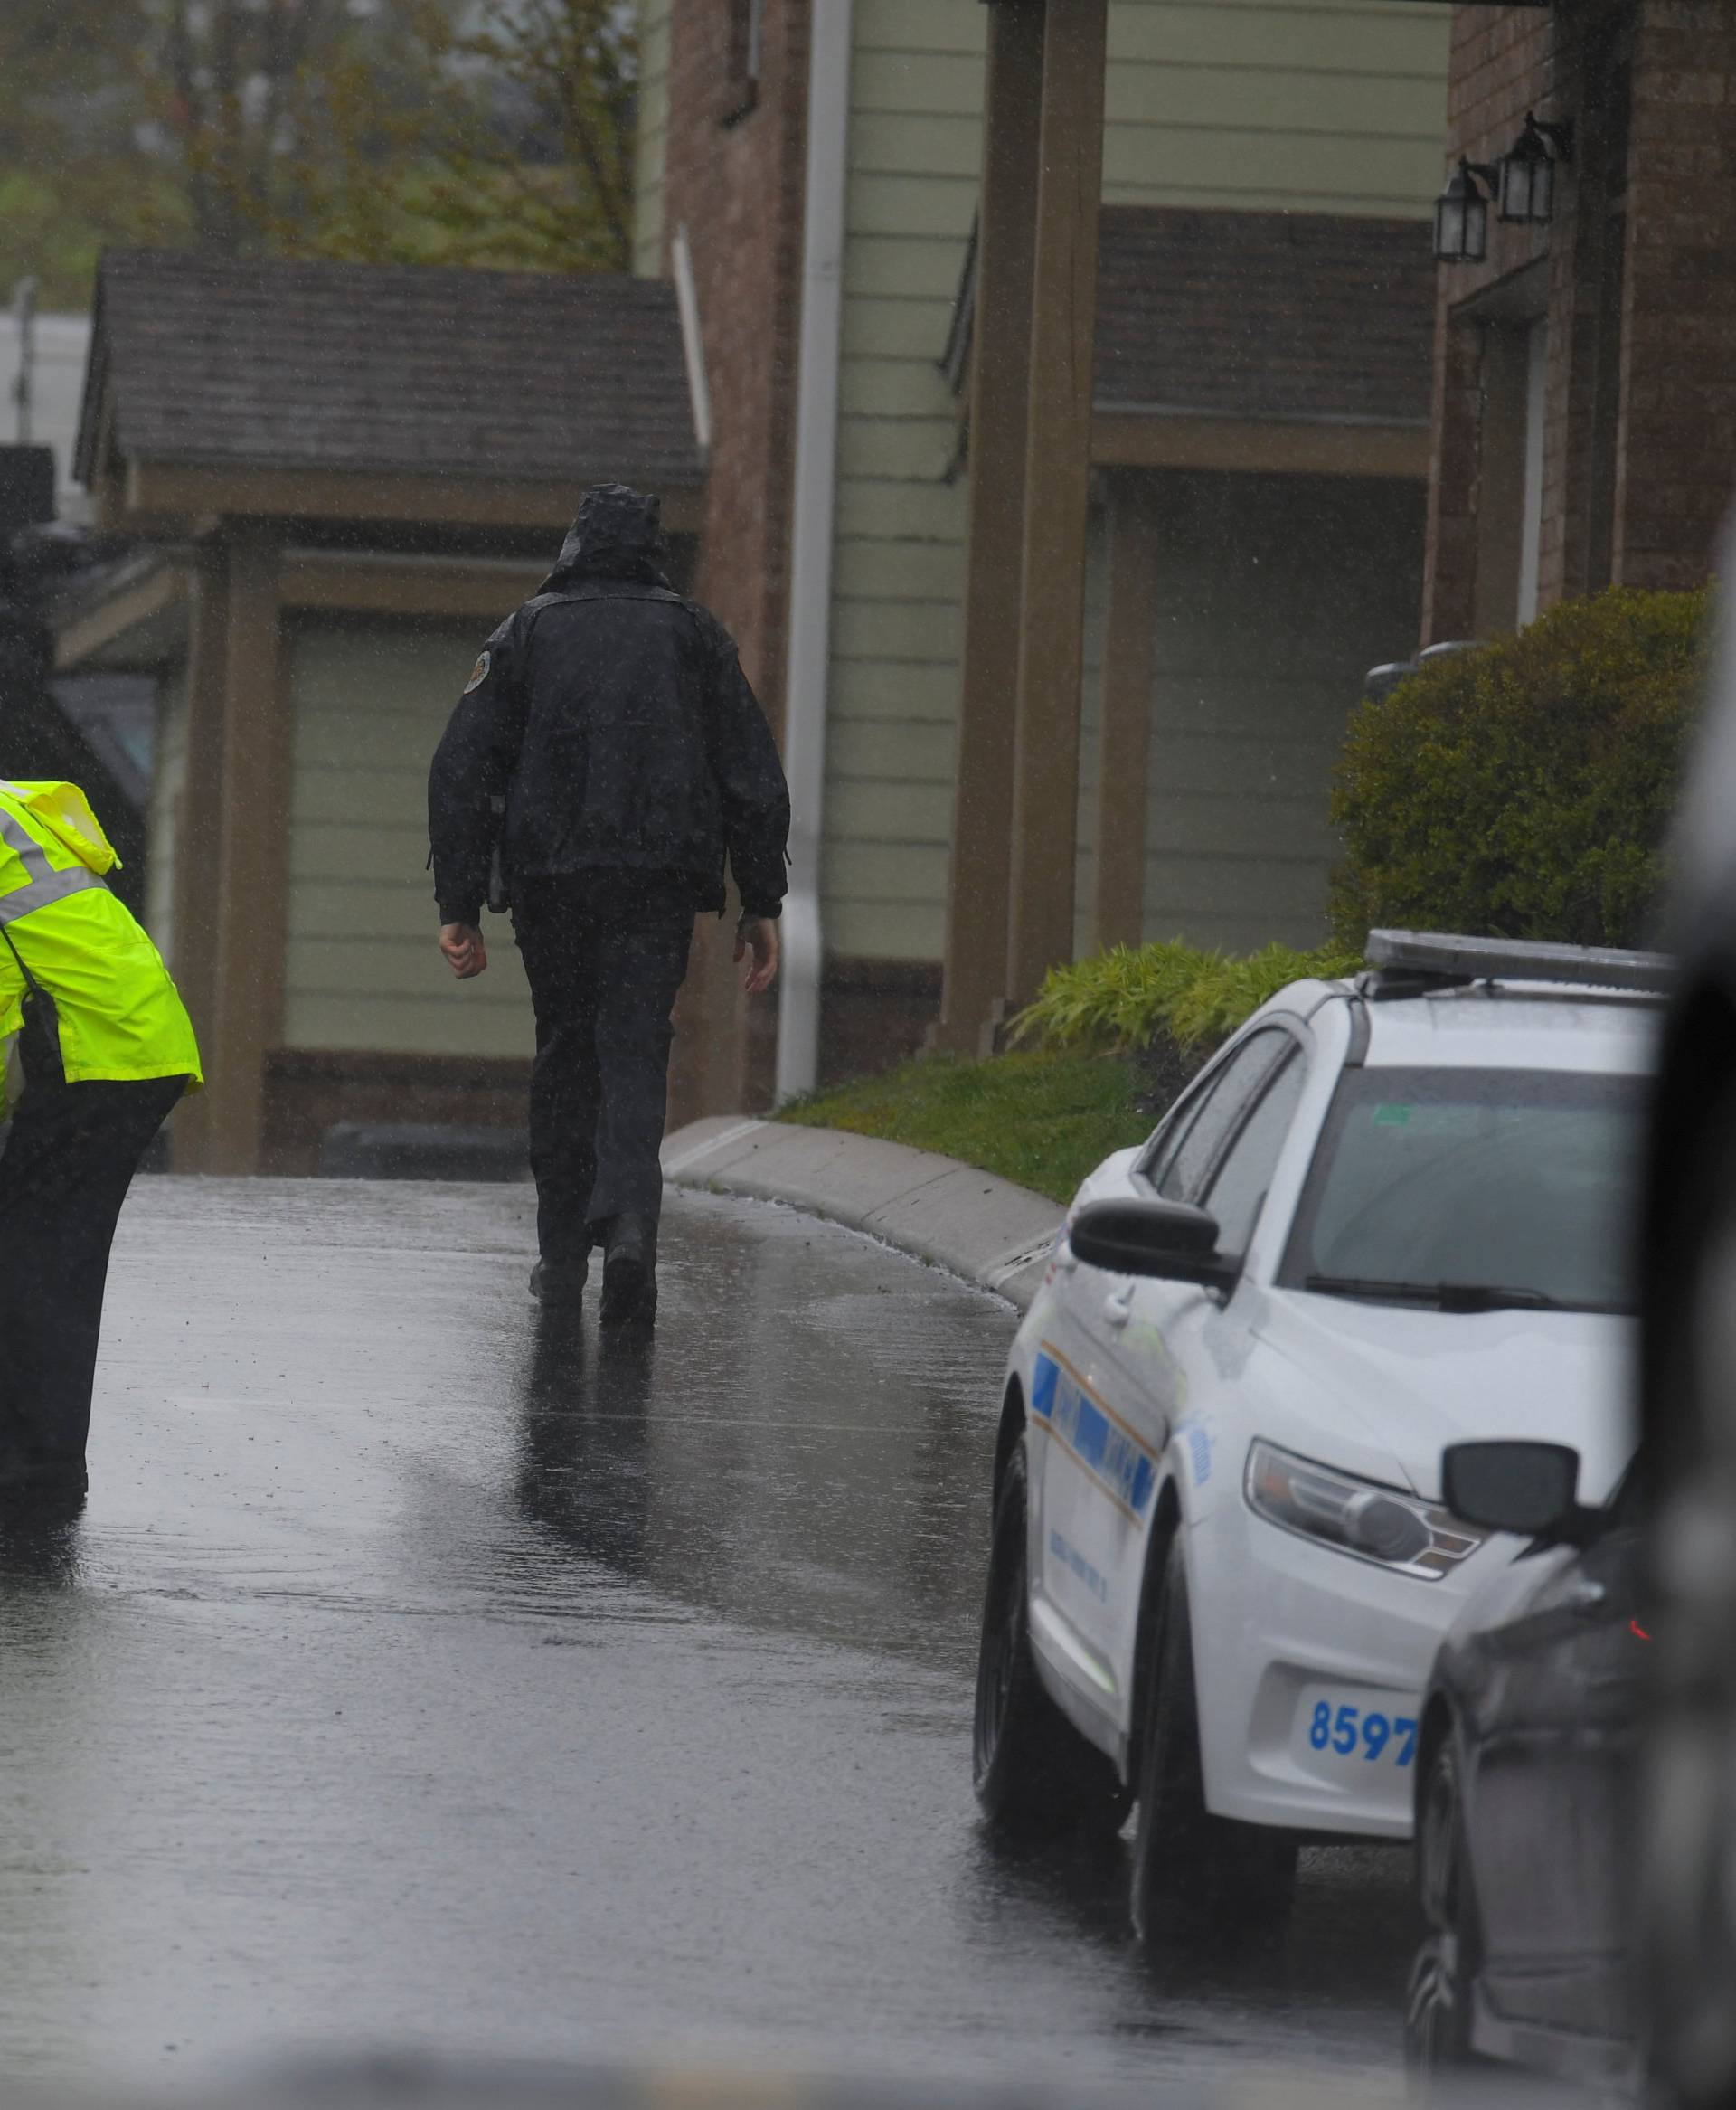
{"x":1357,"y":1517}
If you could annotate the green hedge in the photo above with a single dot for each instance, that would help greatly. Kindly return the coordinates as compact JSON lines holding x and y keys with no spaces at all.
{"x":1525,"y":789}
{"x":1126,"y":999}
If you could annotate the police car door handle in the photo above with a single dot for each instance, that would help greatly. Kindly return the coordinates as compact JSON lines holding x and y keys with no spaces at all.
{"x":1118,"y":1308}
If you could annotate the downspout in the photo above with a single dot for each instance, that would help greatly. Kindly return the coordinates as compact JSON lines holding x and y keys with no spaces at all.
{"x":812,"y":524}
{"x":693,"y":340}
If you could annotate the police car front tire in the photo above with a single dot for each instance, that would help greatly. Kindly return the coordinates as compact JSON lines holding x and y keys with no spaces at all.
{"x":1189,"y":1868}
{"x":1036,"y":1775}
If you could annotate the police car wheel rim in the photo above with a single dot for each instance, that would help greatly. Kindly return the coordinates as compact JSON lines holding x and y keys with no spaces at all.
{"x":1437,"y":1850}
{"x":1432,"y":2023}
{"x":1436,"y":2023}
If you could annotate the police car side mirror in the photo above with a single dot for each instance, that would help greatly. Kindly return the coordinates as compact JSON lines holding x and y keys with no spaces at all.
{"x":1174,"y":1241}
{"x":1529,"y":1488}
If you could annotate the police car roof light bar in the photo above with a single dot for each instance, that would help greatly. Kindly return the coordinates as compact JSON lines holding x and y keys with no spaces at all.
{"x":1406,"y":962}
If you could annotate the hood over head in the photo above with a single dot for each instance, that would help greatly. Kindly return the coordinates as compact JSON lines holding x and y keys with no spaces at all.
{"x":615,"y":533}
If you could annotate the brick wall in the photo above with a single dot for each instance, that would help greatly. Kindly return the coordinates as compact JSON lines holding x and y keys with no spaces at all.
{"x":1503,"y":64}
{"x":1676,"y":472}
{"x":733,"y":177}
{"x":874,"y":1012}
{"x":309,"y":1090}
{"x":1638,"y":274}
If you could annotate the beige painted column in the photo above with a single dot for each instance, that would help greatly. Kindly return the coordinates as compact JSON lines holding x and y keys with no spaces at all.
{"x":252,"y":862}
{"x":1118,"y":907}
{"x":1057,"y":493}
{"x":1000,"y":383}
{"x":198,"y":828}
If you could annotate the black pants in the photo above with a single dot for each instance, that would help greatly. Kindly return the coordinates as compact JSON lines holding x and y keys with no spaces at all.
{"x":605,"y":958}
{"x":68,"y":1161}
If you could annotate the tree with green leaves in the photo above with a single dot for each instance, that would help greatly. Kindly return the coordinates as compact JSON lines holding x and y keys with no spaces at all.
{"x":536,"y":163}
{"x":486,"y":132}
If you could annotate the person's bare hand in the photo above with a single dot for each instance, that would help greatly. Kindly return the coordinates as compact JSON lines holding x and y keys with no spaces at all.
{"x":757,"y":935}
{"x":466,"y":954}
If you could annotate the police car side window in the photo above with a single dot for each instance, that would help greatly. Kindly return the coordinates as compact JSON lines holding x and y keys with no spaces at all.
{"x":1239,"y":1186}
{"x":1184,"y":1167}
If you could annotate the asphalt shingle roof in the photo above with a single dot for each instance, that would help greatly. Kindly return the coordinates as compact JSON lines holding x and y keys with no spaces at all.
{"x":1301,"y":315}
{"x":391,"y":369}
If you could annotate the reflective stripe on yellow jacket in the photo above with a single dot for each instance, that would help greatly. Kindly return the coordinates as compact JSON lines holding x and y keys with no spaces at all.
{"x":120,"y":1014}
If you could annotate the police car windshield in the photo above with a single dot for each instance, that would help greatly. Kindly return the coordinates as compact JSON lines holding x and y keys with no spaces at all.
{"x":1467,"y":1189}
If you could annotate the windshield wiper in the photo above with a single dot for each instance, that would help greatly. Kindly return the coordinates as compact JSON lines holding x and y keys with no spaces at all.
{"x":1442,"y":1296}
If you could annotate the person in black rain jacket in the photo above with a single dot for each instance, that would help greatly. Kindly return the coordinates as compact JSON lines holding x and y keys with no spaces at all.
{"x":610,"y":749}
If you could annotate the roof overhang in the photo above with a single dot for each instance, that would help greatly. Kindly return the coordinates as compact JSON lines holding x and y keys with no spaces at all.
{"x":132,"y":620}
{"x":135,"y":619}
{"x":157,"y":497}
{"x":1157,"y":438}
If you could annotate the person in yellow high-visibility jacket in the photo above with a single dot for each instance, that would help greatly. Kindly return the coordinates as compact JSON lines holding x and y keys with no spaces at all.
{"x":97,"y":1047}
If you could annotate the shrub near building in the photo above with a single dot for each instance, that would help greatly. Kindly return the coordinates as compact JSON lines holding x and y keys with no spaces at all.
{"x":1521,"y":790}
{"x":1525,"y":789}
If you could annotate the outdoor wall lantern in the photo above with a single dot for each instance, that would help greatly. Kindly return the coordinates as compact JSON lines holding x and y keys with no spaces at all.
{"x":1526,"y":189}
{"x":1462,"y":215}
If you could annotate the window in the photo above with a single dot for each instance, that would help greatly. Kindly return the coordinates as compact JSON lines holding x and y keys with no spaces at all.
{"x":1238,"y":1192}
{"x":1183,"y":1160}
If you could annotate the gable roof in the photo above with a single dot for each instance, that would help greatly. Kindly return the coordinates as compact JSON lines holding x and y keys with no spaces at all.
{"x":223,"y":362}
{"x":1313,"y":318}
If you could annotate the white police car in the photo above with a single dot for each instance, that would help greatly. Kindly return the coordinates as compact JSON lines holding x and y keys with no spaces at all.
{"x":1392,"y":1215}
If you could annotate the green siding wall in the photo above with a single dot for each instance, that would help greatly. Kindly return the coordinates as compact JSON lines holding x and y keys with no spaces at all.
{"x":916,"y":117}
{"x":1258,"y":651}
{"x":1251,"y":103}
{"x":1319,"y":108}
{"x":653,"y":133}
{"x":370,"y":699}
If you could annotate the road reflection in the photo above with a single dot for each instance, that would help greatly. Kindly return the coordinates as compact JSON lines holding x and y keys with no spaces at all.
{"x":794,"y":1452}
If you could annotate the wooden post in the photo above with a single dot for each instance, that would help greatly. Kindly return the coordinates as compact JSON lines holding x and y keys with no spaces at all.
{"x":1000,"y":383}
{"x":1124,"y":749}
{"x":198,"y":828}
{"x":253,"y":876}
{"x":1057,"y":495}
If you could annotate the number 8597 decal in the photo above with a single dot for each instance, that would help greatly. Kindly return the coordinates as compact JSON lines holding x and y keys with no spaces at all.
{"x":1364,"y":1733}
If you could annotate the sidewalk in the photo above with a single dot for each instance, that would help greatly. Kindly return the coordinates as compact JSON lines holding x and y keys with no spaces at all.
{"x":953,"y":1215}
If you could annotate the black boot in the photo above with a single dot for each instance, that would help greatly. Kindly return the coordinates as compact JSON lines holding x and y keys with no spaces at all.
{"x":630,"y":1271}
{"x":556,"y":1286}
{"x":41,"y":1493}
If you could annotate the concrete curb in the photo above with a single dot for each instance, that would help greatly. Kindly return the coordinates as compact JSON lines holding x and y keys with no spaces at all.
{"x":987,"y":1230}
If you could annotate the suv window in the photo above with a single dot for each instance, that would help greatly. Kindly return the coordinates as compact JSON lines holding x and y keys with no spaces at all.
{"x":1239,"y":1188}
{"x":1184,"y":1163}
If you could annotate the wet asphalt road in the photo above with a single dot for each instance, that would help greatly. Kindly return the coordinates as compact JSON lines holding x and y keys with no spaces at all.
{"x":417,"y":1678}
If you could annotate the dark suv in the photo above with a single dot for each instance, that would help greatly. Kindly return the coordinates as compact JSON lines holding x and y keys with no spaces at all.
{"x":1688,"y":1408}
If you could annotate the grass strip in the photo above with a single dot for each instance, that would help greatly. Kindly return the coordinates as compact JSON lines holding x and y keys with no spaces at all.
{"x":1043,"y":1120}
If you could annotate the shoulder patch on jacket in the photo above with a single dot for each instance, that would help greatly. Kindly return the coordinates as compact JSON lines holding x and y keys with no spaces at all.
{"x":479,"y":672}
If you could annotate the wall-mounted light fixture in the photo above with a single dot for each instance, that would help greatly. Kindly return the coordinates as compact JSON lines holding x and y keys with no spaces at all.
{"x":1527,"y":171}
{"x":1462,"y":214}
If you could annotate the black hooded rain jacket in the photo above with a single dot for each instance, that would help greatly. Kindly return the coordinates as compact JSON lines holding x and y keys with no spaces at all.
{"x":613,"y":717}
